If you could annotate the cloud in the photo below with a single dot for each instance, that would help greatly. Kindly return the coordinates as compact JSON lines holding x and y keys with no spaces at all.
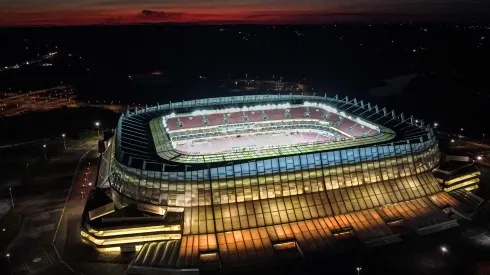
{"x":160,"y":15}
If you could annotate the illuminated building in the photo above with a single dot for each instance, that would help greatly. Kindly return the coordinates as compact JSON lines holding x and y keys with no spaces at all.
{"x":458,"y":174}
{"x":325,"y":169}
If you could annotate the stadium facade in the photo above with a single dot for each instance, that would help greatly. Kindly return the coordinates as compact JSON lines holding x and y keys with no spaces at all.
{"x":357,"y":171}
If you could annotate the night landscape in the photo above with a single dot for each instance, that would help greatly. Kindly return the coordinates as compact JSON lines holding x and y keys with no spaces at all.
{"x":239,"y":137}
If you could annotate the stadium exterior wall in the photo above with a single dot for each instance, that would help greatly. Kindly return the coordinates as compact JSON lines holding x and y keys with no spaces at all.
{"x":278,"y":177}
{"x":227,"y":196}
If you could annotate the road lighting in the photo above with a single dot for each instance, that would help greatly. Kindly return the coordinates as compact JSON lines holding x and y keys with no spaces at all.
{"x":8,"y":256}
{"x":28,"y":173}
{"x":44,"y":150}
{"x":64,"y":141}
{"x":97,"y":124}
{"x":11,"y":198}
{"x":479,"y":158}
{"x":358,"y":270}
{"x":443,"y":250}
{"x":436,"y":124}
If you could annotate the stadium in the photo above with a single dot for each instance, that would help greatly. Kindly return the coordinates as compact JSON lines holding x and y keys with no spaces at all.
{"x":242,"y":180}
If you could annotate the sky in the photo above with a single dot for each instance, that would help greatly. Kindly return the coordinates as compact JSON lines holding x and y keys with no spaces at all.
{"x":87,"y":12}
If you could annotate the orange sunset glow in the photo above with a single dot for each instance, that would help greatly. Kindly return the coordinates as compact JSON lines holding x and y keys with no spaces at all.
{"x":87,"y":12}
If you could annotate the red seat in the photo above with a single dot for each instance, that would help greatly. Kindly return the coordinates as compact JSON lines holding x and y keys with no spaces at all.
{"x":191,"y":121}
{"x":215,"y":119}
{"x":172,"y":123}
{"x":236,"y":117}
{"x":358,"y":130}
{"x":317,"y":113}
{"x":254,"y":116}
{"x":345,"y":125}
{"x":298,"y":113}
{"x":333,"y":117}
{"x":275,"y":114}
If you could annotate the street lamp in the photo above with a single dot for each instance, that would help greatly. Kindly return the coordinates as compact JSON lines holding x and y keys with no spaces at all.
{"x":44,"y":150}
{"x":64,"y":141}
{"x":443,"y":250}
{"x":97,"y":124}
{"x":28,"y":173}
{"x":436,"y":124}
{"x":358,"y":270}
{"x":479,"y":158}
{"x":8,"y":256}
{"x":452,"y":140}
{"x":11,"y":198}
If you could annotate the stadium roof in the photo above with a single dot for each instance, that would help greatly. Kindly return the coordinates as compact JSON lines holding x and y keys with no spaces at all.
{"x":135,"y":146}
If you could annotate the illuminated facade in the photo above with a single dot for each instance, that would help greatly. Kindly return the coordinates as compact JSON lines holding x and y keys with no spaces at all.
{"x":256,"y":203}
